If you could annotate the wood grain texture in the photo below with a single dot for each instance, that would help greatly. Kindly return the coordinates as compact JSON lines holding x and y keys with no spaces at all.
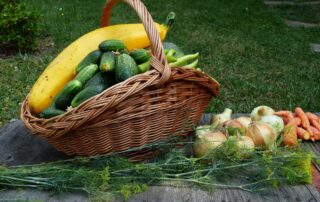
{"x":184,"y":194}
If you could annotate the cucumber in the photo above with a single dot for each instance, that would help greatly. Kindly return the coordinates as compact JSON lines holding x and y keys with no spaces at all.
{"x":126,"y":67}
{"x":51,"y":112}
{"x":91,"y":58}
{"x":112,"y":45}
{"x":107,"y":63}
{"x":168,"y":45}
{"x":65,"y":96}
{"x":86,"y":73}
{"x":87,"y":93}
{"x":144,"y":67}
{"x":140,"y":55}
{"x":101,"y":78}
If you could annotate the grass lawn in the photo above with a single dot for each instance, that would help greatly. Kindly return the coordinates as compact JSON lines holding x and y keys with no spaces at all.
{"x":304,"y":13}
{"x":243,"y":44}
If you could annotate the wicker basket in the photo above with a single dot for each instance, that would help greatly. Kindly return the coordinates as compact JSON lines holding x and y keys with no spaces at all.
{"x":143,"y":109}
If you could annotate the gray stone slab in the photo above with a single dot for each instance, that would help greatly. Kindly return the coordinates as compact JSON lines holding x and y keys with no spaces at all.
{"x":276,"y":3}
{"x":19,"y":147}
{"x":292,"y":23}
{"x":315,"y":47}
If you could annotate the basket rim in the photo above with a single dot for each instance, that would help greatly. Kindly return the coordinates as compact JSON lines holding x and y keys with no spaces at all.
{"x":31,"y":121}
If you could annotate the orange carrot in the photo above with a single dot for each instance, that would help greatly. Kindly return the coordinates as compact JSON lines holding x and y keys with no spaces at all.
{"x":290,"y":131}
{"x":312,"y":116}
{"x":315,"y":124}
{"x":298,"y":121}
{"x":303,"y":134}
{"x":316,"y":133}
{"x":282,"y":113}
{"x":304,"y":119}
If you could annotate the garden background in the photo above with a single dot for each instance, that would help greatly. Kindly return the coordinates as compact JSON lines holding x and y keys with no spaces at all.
{"x":246,"y":45}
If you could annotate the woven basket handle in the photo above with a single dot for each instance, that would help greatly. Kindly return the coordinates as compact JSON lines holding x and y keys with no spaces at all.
{"x":161,"y":65}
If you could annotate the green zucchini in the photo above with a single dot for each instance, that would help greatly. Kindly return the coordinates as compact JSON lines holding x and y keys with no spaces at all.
{"x":51,"y":112}
{"x":87,"y":93}
{"x":112,"y":45}
{"x":91,"y":58}
{"x":65,"y":96}
{"x":126,"y":67}
{"x":101,"y":78}
{"x":144,"y":67}
{"x":107,"y":63}
{"x":86,"y":73}
{"x":168,"y":45}
{"x":140,"y":55}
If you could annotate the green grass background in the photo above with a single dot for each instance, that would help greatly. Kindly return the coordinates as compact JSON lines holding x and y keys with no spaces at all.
{"x":243,"y":44}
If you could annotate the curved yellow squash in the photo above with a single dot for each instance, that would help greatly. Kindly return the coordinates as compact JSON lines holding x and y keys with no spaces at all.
{"x":62,"y":68}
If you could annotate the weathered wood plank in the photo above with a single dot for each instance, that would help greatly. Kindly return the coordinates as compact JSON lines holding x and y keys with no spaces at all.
{"x":172,"y":194}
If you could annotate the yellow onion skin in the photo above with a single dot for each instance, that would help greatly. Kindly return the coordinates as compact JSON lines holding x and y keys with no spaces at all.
{"x":219,"y":119}
{"x":262,"y":134}
{"x":245,"y":121}
{"x":246,"y":142}
{"x":261,"y":111}
{"x":233,"y":123}
{"x":205,"y":143}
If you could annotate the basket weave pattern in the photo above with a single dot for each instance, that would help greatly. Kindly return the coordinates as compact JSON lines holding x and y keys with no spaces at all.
{"x":145,"y":108}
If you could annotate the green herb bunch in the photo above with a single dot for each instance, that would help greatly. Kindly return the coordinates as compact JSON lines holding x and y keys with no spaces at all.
{"x":225,"y":167}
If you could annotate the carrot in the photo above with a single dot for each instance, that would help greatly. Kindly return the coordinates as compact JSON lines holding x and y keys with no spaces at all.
{"x":315,"y":124}
{"x":304,"y":119}
{"x":282,"y":113}
{"x":298,"y":121}
{"x":303,"y":134}
{"x":290,"y":131}
{"x":316,"y":133}
{"x":312,"y":116}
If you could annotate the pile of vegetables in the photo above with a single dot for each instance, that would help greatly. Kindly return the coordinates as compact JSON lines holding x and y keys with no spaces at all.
{"x":111,"y":62}
{"x":306,"y":124}
{"x":261,"y":131}
{"x":226,"y":166}
{"x":265,"y":128}
{"x":62,"y":69}
{"x":109,"y":65}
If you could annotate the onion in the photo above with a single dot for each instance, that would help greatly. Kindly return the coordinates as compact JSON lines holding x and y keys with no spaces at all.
{"x":219,"y":119}
{"x":205,"y":143}
{"x":233,"y":123}
{"x":275,"y":122}
{"x":243,"y":142}
{"x":261,"y":111}
{"x":262,"y":134}
{"x":246,"y":142}
{"x":202,"y":130}
{"x":245,"y":121}
{"x":234,"y":127}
